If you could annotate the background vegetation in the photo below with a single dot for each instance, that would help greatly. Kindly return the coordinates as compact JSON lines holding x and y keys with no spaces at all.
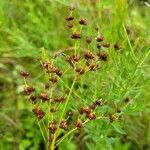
{"x":27,"y":25}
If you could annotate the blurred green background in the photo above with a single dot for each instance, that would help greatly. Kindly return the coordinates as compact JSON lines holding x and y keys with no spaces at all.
{"x":28,"y":25}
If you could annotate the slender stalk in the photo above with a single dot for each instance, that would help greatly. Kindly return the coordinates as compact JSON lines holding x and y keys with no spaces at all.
{"x":63,"y":112}
{"x":41,"y":131}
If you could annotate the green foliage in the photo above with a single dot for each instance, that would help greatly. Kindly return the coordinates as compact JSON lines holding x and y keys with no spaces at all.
{"x":28,"y":27}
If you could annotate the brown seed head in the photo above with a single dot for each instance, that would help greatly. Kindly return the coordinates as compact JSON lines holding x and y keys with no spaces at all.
{"x":89,"y":55}
{"x":103,"y":55}
{"x":99,"y":38}
{"x":69,"y":18}
{"x":88,"y":40}
{"x":52,"y":127}
{"x":106,"y":45}
{"x":91,"y":116}
{"x":83,"y":21}
{"x":53,"y":109}
{"x":69,"y":113}
{"x":53,"y":79}
{"x":117,"y":46}
{"x":63,"y":125}
{"x":24,"y":74}
{"x":78,"y":124}
{"x":76,"y":35}
{"x":33,"y":99}
{"x":39,"y":113}
{"x":28,"y":89}
{"x":44,"y":97}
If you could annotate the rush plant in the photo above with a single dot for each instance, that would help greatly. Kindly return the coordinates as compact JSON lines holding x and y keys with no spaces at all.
{"x":72,"y":93}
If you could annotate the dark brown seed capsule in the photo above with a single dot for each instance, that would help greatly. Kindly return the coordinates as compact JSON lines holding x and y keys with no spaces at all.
{"x":97,"y":28}
{"x":46,"y":86}
{"x":53,"y":79}
{"x":28,"y":89}
{"x":52,"y":127}
{"x":106,"y":45}
{"x":80,"y":70}
{"x":98,"y":102}
{"x":53,"y":109}
{"x":33,"y":99}
{"x":88,"y":40}
{"x":70,"y":25}
{"x":78,"y":124}
{"x":69,"y":18}
{"x":39,"y":113}
{"x":92,"y":106}
{"x":89,"y":55}
{"x":117,"y":46}
{"x":128,"y":30}
{"x":76,"y":58}
{"x":127,"y":100}
{"x":24,"y":74}
{"x":98,"y":45}
{"x":112,"y":118}
{"x":63,"y":125}
{"x":69,"y":113}
{"x":94,"y":67}
{"x":59,"y":99}
{"x":83,"y":21}
{"x":76,"y":35}
{"x":99,"y":38}
{"x":81,"y":111}
{"x":91,"y":116}
{"x":87,"y":110}
{"x":44,"y":97}
{"x":103,"y":55}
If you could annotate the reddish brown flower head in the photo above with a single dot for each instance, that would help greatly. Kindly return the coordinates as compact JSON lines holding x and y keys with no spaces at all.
{"x":106,"y":45}
{"x":81,"y":111}
{"x":33,"y":99}
{"x":91,"y":116}
{"x":76,"y":58}
{"x":69,"y":18}
{"x":63,"y":125}
{"x":53,"y":109}
{"x":58,"y":71}
{"x":98,"y":45}
{"x":89,"y":55}
{"x":99,"y":102}
{"x":69,"y":113}
{"x":59,"y":99}
{"x":70,"y":25}
{"x":78,"y":124}
{"x":39,"y":113}
{"x":92,"y":106}
{"x":46,"y":86}
{"x":24,"y":74}
{"x":103,"y":55}
{"x":117,"y":46}
{"x":52,"y":127}
{"x":28,"y":89}
{"x":44,"y":97}
{"x":88,"y":40}
{"x":97,"y":28}
{"x":87,"y":110}
{"x":53,"y":79}
{"x":80,"y":71}
{"x":76,"y":35}
{"x":99,"y":38}
{"x":127,"y":100}
{"x":83,"y":21}
{"x":94,"y":67}
{"x":112,"y":118}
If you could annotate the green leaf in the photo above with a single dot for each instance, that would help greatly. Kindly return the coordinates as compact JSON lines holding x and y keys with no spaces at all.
{"x":118,"y":128}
